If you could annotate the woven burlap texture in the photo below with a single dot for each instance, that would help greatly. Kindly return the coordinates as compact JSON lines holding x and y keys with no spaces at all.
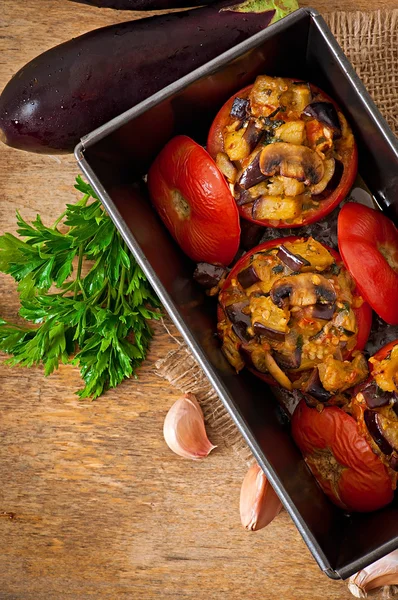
{"x":370,"y":40}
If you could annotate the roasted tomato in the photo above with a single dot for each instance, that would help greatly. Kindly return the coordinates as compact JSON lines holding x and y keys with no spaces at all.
{"x":368,"y":244}
{"x":286,"y":149}
{"x":194,"y":202}
{"x":375,"y":405}
{"x":341,"y":459}
{"x":290,"y":312}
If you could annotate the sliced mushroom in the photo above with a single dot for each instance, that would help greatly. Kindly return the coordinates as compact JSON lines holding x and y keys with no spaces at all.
{"x":289,"y":160}
{"x":329,"y":165}
{"x":302,"y":290}
{"x":264,"y":362}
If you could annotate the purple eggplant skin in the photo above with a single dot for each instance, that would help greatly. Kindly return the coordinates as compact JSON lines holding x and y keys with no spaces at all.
{"x":372,"y":423}
{"x":143,"y":4}
{"x":252,"y":175}
{"x":295,"y":262}
{"x":240,"y":321}
{"x":248,"y":277}
{"x":75,"y":87}
{"x":207,"y":275}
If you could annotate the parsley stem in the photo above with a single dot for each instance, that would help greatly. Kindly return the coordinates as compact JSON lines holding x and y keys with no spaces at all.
{"x":121,"y":288}
{"x":59,"y":220}
{"x":78,"y":283}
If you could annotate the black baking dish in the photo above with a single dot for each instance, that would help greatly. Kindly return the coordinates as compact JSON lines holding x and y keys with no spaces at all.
{"x":116,"y":156}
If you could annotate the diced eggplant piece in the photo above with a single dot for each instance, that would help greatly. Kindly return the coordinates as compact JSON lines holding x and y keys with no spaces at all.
{"x":207,"y":275}
{"x":252,"y":175}
{"x":375,"y":396}
{"x":314,"y":387}
{"x":323,"y":311}
{"x":239,"y":108}
{"x":289,"y":160}
{"x":244,"y":196}
{"x":252,"y":135}
{"x":248,"y":277}
{"x":276,"y":208}
{"x":250,"y":234}
{"x":294,"y":261}
{"x":317,"y":255}
{"x":289,"y":361}
{"x":302,"y":290}
{"x":326,"y":113}
{"x":240,"y":321}
{"x":271,"y":334}
{"x":274,"y":319}
{"x":265,"y":95}
{"x":374,"y":426}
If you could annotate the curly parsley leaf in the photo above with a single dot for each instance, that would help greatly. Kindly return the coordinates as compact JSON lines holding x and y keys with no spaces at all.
{"x":99,"y":321}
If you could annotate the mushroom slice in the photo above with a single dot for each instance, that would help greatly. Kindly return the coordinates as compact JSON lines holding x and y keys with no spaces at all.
{"x":303,"y":290}
{"x":290,"y":160}
{"x":264,"y":362}
{"x":329,"y":166}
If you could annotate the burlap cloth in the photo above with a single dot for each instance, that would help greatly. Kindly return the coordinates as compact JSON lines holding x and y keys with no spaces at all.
{"x":370,"y":40}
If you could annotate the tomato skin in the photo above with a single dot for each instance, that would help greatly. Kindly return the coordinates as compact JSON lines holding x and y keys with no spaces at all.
{"x":215,"y":144}
{"x":341,"y":459}
{"x":362,"y":232}
{"x":194,"y":201}
{"x":363,"y":314}
{"x":382,"y":353}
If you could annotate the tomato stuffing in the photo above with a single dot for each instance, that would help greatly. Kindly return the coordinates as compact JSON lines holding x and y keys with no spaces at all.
{"x":286,"y":150}
{"x":289,"y":311}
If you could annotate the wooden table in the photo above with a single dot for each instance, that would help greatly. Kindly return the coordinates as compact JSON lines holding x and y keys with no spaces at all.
{"x":92,"y":502}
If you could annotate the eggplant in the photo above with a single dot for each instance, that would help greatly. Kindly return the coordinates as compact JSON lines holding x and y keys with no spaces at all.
{"x":143,"y":4}
{"x":207,"y":275}
{"x":289,"y":361}
{"x":268,"y":332}
{"x":75,"y":87}
{"x":314,"y":387}
{"x":240,"y":321}
{"x":248,"y":277}
{"x":372,"y":422}
{"x":244,"y":196}
{"x":252,"y":175}
{"x":325,"y":113}
{"x":295,"y":262}
{"x":323,"y":311}
{"x":252,"y":135}
{"x":239,"y":108}
{"x":375,"y":396}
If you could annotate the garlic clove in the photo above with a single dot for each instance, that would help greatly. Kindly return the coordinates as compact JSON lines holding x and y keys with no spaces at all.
{"x":383,"y":572}
{"x":184,"y":429}
{"x":259,"y":504}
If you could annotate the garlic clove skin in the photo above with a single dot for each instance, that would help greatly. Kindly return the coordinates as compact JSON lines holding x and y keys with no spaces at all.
{"x":383,"y":572}
{"x":259,"y":504}
{"x":184,"y":429}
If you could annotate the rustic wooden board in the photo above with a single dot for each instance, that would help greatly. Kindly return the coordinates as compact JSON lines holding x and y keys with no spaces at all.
{"x":92,"y":502}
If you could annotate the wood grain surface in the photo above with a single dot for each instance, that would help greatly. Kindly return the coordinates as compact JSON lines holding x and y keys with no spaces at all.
{"x":92,"y":502}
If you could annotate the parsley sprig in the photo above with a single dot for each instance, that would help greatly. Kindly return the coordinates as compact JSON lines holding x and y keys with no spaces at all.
{"x":84,"y":290}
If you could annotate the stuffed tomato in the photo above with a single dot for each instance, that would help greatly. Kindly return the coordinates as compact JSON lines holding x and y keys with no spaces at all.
{"x":375,"y":405}
{"x":286,"y":150}
{"x":289,"y":311}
